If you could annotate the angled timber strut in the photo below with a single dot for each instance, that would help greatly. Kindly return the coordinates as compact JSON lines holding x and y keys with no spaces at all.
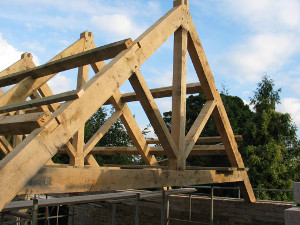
{"x":33,"y":131}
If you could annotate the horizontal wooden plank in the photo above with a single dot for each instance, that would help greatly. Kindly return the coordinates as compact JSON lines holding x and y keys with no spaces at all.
{"x":197,"y":150}
{"x":16,"y":205}
{"x":95,"y":55}
{"x":219,"y":169}
{"x":68,"y":180}
{"x":23,"y":123}
{"x":202,"y":139}
{"x":66,"y":96}
{"x":191,"y":88}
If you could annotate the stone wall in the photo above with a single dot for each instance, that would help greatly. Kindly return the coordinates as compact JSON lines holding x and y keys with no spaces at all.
{"x":292,"y":215}
{"x":226,"y":212}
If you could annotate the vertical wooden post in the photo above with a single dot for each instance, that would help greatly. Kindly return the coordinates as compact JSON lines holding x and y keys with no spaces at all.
{"x":78,"y":139}
{"x":17,"y":139}
{"x":179,"y":94}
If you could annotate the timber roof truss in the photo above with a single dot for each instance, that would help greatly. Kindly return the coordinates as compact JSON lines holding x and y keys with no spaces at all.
{"x":34,"y":131}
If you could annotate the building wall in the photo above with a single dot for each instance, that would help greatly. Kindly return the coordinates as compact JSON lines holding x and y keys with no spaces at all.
{"x":226,"y":212}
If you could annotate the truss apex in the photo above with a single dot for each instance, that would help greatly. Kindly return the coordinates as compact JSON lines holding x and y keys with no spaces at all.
{"x":86,"y":34}
{"x":26,"y":54}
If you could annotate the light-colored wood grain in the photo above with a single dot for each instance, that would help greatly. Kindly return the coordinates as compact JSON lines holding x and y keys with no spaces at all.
{"x":22,"y":123}
{"x":95,"y":179}
{"x":179,"y":95}
{"x":78,"y":138}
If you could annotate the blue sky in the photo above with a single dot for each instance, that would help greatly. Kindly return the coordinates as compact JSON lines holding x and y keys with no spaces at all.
{"x":243,"y":40}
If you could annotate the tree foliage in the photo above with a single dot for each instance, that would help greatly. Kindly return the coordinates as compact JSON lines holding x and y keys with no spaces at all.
{"x":271,"y":147}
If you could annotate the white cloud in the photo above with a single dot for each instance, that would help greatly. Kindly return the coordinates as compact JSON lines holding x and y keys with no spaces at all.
{"x":117,"y":24}
{"x":8,"y":54}
{"x":291,"y":106}
{"x":59,"y":84}
{"x":260,"y":53}
{"x":271,"y":37}
{"x":266,"y":15}
{"x":164,"y":104}
{"x":161,"y":78}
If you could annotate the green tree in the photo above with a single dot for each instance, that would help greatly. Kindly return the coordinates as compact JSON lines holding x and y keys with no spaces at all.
{"x":270,"y":147}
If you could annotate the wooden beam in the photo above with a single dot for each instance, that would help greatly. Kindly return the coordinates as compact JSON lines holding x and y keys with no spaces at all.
{"x":201,"y":139}
{"x":5,"y":143}
{"x":146,"y":99}
{"x":29,"y":156}
{"x":199,"y":124}
{"x":94,"y":55}
{"x":66,"y":96}
{"x":78,"y":138}
{"x":53,"y":180}
{"x":192,"y":88}
{"x":158,"y":151}
{"x":179,"y":94}
{"x":23,"y":123}
{"x":217,"y":139}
